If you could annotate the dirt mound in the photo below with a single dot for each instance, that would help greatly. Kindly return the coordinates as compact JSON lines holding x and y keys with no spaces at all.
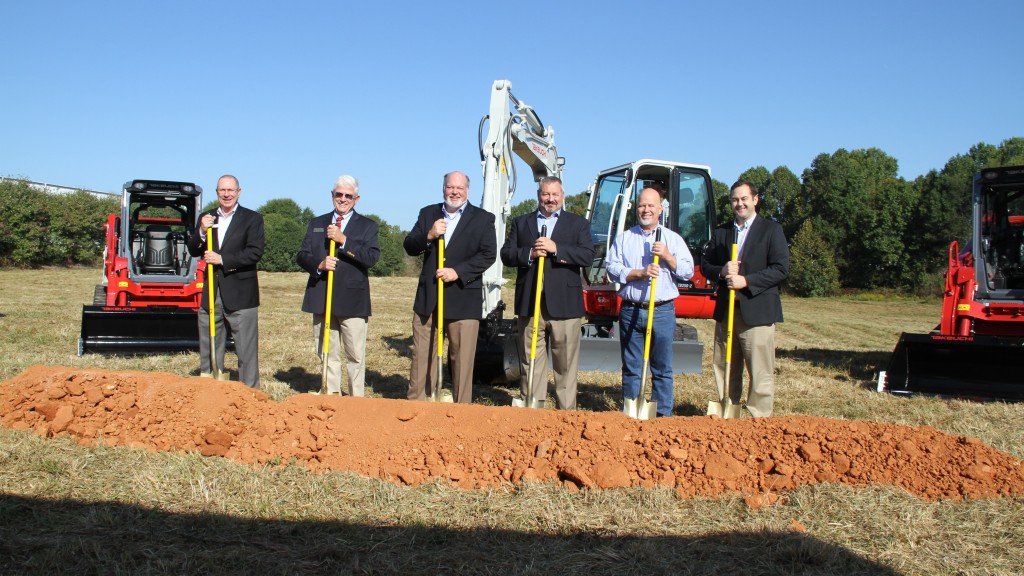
{"x":483,"y":446}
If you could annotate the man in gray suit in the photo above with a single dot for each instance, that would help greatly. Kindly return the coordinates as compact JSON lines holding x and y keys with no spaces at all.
{"x":761,"y":266}
{"x":237,"y":248}
{"x":357,"y":249}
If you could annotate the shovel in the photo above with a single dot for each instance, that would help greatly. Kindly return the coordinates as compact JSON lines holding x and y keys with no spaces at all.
{"x":638,"y":407}
{"x":215,"y":372}
{"x":530,"y":401}
{"x":724,"y":407}
{"x":327,"y":322}
{"x":438,"y":395}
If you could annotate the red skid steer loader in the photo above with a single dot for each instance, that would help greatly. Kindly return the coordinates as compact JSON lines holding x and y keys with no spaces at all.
{"x":151,"y":288}
{"x":978,"y":348}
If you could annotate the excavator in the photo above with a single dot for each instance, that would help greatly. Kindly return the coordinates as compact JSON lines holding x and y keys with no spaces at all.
{"x":515,"y":130}
{"x":150,"y":290}
{"x":977,"y":350}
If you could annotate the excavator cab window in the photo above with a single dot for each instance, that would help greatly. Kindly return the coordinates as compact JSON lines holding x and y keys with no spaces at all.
{"x":610,"y":191}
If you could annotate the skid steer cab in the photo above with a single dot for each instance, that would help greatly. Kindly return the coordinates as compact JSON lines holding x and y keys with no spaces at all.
{"x":977,"y":350}
{"x":149,"y":295}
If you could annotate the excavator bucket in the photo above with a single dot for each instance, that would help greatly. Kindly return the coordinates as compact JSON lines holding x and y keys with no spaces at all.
{"x":979,"y":366}
{"x":132,"y":328}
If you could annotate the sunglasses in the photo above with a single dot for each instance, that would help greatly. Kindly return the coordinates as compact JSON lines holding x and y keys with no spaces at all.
{"x":344,"y":195}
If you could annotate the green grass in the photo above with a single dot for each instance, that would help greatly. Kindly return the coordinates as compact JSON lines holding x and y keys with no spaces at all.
{"x":70,"y":509}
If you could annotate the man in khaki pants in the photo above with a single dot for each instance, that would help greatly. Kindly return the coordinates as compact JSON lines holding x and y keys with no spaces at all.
{"x":760,"y":267}
{"x":567,"y":248}
{"x":356,"y":251}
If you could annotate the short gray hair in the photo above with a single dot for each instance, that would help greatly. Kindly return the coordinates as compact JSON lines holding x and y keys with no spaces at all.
{"x":347,"y":181}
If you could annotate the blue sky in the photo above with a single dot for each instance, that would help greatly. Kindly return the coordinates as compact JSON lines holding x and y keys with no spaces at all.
{"x":287,"y":96}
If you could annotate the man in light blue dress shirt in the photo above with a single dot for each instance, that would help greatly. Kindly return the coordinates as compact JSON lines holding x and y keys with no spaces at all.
{"x":631,"y":265}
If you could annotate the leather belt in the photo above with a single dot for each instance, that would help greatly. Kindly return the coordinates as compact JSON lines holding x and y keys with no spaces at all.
{"x":644,"y":304}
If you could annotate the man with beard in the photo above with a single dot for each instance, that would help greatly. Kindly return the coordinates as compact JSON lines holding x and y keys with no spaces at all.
{"x":631,"y":265}
{"x":470,"y":248}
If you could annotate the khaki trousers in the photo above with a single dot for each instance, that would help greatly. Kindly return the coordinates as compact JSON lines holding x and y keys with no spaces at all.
{"x":461,"y":336}
{"x":753,"y":349}
{"x":564,"y":338}
{"x":349,"y":333}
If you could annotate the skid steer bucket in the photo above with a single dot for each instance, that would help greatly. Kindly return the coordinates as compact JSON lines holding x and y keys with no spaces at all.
{"x":137,"y":328}
{"x":979,"y":366}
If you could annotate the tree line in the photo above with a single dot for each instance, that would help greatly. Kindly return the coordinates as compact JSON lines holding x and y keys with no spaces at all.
{"x":851,"y":220}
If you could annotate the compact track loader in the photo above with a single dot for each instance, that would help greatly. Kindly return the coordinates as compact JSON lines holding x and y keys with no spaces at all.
{"x":151,"y":288}
{"x":977,"y":350}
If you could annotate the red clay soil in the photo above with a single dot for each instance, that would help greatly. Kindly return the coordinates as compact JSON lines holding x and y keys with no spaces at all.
{"x":484,"y":446}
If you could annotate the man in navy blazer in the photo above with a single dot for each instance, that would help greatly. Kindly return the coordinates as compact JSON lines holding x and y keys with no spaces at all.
{"x":357,"y":249}
{"x":237,"y":248}
{"x":567,"y":249}
{"x":759,"y":269}
{"x":470,"y":248}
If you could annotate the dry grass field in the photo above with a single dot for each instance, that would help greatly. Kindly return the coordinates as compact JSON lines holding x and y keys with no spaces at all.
{"x":74,"y":510}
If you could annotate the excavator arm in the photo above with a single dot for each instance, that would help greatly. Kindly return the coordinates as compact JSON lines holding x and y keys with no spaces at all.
{"x":514,"y":129}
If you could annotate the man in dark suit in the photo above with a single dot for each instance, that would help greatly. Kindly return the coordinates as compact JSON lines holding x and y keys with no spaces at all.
{"x":566,"y":249}
{"x":470,"y":247}
{"x":356,"y":251}
{"x":761,"y":266}
{"x":237,"y":248}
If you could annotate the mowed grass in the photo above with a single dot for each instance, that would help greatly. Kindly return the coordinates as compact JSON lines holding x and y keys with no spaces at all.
{"x":104,"y":510}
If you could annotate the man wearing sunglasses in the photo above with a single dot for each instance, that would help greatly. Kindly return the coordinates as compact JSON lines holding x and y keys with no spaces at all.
{"x":356,"y":251}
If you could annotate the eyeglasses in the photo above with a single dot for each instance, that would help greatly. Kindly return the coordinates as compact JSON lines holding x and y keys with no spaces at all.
{"x":451,"y":187}
{"x":227,"y":189}
{"x":344,"y":195}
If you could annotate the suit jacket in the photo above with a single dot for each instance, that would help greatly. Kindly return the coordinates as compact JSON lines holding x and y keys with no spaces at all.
{"x":241,"y":250}
{"x":471,"y":250}
{"x":563,"y":288}
{"x":350,"y":296}
{"x":765,"y":264}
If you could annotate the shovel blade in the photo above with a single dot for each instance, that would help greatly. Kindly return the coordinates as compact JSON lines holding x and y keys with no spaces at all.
{"x":639,"y":409}
{"x":715,"y":409}
{"x":629,"y":407}
{"x":647,"y":410}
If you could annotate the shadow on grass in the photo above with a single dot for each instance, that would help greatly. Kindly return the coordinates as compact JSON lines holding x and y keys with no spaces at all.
{"x":72,"y":537}
{"x":855,"y":365}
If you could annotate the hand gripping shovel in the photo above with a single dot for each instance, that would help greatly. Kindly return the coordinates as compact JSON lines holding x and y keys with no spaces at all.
{"x":530,"y":401}
{"x":724,"y":407}
{"x":638,"y":407}
{"x":215,"y":372}
{"x":326,"y":349}
{"x":438,"y":395}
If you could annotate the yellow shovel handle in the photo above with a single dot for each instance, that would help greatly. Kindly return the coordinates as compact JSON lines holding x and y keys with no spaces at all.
{"x":440,"y":300}
{"x":536,"y":307}
{"x":209,"y":289}
{"x":328,"y":302}
{"x":650,"y":315}
{"x":732,"y":310}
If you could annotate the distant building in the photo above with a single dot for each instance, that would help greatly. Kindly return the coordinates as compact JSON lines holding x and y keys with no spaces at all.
{"x":58,"y":189}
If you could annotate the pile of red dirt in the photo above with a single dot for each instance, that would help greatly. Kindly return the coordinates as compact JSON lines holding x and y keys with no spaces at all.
{"x":484,"y":446}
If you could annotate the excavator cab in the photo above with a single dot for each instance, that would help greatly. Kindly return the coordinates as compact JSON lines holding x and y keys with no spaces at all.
{"x":687,"y":209}
{"x":978,"y":348}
